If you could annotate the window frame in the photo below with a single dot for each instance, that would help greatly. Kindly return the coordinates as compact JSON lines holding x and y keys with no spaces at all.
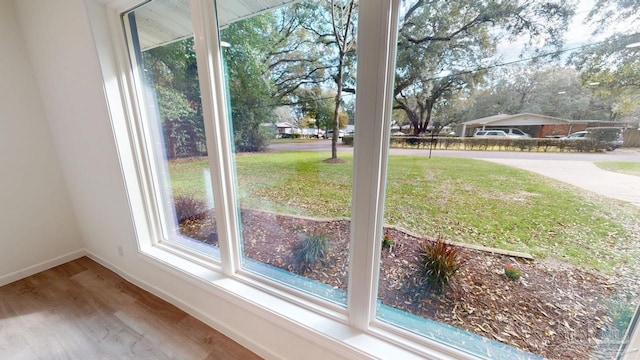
{"x":376,"y":68}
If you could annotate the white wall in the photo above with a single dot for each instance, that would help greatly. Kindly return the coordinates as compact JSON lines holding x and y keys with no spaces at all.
{"x":37,"y":224}
{"x":59,"y":40}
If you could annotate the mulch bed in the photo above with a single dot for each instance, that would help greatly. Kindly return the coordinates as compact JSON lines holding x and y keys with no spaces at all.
{"x":554,"y":310}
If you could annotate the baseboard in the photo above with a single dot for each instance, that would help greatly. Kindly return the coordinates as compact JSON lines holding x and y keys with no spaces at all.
{"x":45,"y":265}
{"x":230,"y":333}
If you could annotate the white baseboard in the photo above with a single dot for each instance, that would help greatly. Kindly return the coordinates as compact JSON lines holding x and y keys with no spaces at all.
{"x":45,"y":265}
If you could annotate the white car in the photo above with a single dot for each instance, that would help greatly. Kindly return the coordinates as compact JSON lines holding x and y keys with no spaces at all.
{"x":515,"y":132}
{"x":577,"y":135}
{"x":509,"y":133}
{"x":329,"y":134}
{"x":490,"y":134}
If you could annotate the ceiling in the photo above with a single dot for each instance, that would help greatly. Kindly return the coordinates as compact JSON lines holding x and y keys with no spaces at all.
{"x":161,"y":22}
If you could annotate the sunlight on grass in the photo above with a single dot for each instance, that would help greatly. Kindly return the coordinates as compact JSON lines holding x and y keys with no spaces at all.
{"x":629,"y":168}
{"x":463,"y":200}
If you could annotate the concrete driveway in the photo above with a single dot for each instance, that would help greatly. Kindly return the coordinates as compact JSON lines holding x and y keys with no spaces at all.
{"x":583,"y":174}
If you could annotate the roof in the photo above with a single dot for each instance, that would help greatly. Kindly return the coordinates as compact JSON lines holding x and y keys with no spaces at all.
{"x":284,"y":125}
{"x":163,"y":22}
{"x":521,"y":119}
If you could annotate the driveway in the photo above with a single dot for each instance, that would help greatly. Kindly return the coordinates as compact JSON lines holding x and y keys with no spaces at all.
{"x":585,"y":175}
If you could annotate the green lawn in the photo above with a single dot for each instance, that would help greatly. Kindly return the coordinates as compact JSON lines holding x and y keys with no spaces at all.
{"x":630,"y":168}
{"x":463,"y":200}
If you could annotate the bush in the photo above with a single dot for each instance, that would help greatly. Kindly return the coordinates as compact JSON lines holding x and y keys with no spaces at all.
{"x":439,"y":262}
{"x":188,"y":208}
{"x":512,"y":271}
{"x":605,"y":136}
{"x":252,"y":139}
{"x":291,"y":136}
{"x":308,"y":251}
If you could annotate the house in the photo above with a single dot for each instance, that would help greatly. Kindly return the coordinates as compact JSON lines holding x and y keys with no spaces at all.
{"x":286,"y":128}
{"x":534,"y":124}
{"x":66,"y":191}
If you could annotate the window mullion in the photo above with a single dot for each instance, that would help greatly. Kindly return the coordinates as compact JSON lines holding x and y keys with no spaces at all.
{"x":377,"y":33}
{"x":212,"y":88}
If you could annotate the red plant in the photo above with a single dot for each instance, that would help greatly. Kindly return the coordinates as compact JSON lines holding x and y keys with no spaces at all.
{"x":512,"y":271}
{"x":439,"y":262}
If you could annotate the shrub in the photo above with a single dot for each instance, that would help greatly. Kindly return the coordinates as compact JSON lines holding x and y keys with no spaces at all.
{"x":252,"y":139}
{"x":512,"y":271}
{"x":309,"y":250}
{"x":188,"y":208}
{"x":439,"y":262}
{"x":387,"y":241}
{"x":605,"y":136}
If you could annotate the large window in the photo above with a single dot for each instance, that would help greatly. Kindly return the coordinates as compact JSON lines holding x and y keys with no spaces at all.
{"x":496,"y":250}
{"x":290,"y":80}
{"x":164,"y":58}
{"x":442,"y":224}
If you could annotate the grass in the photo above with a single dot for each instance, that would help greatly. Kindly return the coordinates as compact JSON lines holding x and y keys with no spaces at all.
{"x":462,"y":200}
{"x":189,"y":176}
{"x":629,"y":168}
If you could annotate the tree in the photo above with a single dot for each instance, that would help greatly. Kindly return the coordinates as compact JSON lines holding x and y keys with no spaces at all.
{"x":551,"y":90}
{"x":441,"y":45}
{"x":250,"y":87}
{"x":607,"y":12}
{"x":172,"y":71}
{"x":343,"y":21}
{"x":177,"y":129}
{"x":318,"y":105}
{"x":610,"y":66}
{"x":296,"y":61}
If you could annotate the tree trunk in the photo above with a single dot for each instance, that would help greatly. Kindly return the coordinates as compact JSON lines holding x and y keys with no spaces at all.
{"x":336,"y":110}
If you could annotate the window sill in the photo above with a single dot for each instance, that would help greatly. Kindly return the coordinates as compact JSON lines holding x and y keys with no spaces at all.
{"x":327,"y":329}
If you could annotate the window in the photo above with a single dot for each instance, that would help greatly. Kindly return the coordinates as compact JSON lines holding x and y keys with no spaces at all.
{"x":164,"y":59}
{"x":492,"y":250}
{"x":250,"y":160}
{"x":295,"y":199}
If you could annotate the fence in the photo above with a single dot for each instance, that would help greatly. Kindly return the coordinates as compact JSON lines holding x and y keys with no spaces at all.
{"x":631,"y":138}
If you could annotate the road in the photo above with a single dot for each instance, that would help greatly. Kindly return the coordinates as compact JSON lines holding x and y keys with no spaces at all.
{"x":577,"y":169}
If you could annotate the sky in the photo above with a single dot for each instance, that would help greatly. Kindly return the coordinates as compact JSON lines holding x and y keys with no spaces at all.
{"x":579,"y":33}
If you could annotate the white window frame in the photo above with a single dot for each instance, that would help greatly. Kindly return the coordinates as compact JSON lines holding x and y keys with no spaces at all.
{"x":377,"y":33}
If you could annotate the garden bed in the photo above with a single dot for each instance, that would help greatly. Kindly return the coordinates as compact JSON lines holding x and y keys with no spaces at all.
{"x":555,"y":310}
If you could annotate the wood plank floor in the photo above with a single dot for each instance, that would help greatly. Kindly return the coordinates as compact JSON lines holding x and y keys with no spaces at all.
{"x":81,"y":310}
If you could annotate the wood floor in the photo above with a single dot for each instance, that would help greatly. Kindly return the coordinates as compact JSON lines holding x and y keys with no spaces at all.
{"x":81,"y":310}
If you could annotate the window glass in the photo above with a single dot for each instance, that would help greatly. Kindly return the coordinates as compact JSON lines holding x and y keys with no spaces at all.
{"x":290,"y":80}
{"x":491,"y":242}
{"x":163,"y":54}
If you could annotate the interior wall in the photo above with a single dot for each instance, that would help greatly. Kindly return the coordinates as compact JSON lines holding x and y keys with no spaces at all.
{"x":38,"y":227}
{"x":59,"y":37}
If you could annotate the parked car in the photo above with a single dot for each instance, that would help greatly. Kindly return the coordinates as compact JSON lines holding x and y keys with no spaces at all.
{"x":611,"y":144}
{"x":511,"y":132}
{"x":577,"y":135}
{"x":490,"y":134}
{"x":329,"y":134}
{"x":516,"y":132}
